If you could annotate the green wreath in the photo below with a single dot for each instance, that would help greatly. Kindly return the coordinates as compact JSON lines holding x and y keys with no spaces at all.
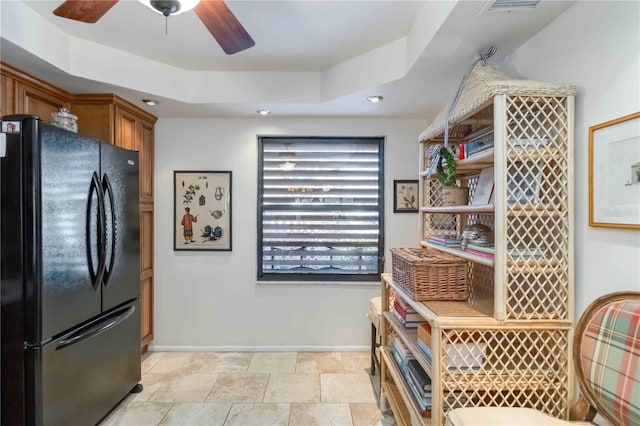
{"x":447,"y":178}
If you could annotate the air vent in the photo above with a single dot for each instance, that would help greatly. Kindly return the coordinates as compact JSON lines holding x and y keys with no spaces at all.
{"x":510,"y":5}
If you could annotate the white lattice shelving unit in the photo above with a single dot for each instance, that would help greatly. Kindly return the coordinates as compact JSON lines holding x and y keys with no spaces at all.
{"x":520,"y":310}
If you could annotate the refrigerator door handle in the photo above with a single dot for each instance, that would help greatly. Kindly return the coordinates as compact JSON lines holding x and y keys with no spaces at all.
{"x":96,"y":276}
{"x":95,"y":329}
{"x":108,"y":191}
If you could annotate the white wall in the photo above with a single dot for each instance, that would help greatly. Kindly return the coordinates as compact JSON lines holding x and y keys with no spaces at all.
{"x":596,"y":46}
{"x":211,"y":299}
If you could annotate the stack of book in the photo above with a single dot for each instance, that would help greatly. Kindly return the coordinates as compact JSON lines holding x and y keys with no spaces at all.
{"x":488,"y":252}
{"x":420,"y":385}
{"x":462,"y":353}
{"x":444,"y":241}
{"x":401,"y":354}
{"x":415,"y":377}
{"x":479,"y":142}
{"x":404,"y":313}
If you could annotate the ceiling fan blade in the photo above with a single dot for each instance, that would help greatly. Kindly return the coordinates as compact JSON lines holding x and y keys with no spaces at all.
{"x":224,"y":26}
{"x":88,"y":11}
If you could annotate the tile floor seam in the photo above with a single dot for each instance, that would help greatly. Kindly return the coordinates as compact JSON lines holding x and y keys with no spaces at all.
{"x":166,"y":414}
{"x":212,"y":386}
{"x":227,"y":415}
{"x":264,"y":393}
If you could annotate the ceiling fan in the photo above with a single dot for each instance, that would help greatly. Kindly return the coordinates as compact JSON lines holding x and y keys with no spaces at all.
{"x":214,"y":14}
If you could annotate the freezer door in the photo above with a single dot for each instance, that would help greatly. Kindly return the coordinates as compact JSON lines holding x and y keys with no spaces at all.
{"x":82,"y":375}
{"x":121,"y":281}
{"x":63,"y":243}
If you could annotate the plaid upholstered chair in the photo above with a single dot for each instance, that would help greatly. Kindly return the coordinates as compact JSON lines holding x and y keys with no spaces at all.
{"x":607,"y":363}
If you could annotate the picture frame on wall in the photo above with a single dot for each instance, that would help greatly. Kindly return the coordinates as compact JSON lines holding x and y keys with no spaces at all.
{"x":614,"y":173}
{"x":405,"y":196}
{"x":202,"y":210}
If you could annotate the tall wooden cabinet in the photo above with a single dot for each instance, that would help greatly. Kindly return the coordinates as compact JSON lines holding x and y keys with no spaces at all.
{"x":114,"y":120}
{"x":509,"y":344}
{"x":111,"y":119}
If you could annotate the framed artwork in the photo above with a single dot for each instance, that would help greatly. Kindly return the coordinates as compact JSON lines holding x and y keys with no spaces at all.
{"x":614,"y":173}
{"x":202,"y":210}
{"x":405,"y":196}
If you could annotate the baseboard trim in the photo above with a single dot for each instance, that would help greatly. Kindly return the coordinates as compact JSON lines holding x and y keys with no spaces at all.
{"x":170,"y":348}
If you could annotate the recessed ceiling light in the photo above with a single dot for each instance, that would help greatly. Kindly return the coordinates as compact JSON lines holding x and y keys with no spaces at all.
{"x":375,"y":99}
{"x":151,"y":102}
{"x":264,"y":111}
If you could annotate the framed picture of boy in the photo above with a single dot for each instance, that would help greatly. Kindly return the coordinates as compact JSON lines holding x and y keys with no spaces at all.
{"x":202,"y":210}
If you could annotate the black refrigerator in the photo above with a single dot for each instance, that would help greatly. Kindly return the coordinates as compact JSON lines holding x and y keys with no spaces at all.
{"x":69,"y":274}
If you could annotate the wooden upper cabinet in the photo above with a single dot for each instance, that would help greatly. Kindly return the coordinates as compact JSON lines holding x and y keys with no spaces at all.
{"x":7,"y":95}
{"x":114,"y":120}
{"x":127,"y":135}
{"x":33,"y":100}
{"x":25,"y":94}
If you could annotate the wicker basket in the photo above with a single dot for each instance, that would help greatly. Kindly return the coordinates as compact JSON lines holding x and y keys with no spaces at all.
{"x":429,"y":275}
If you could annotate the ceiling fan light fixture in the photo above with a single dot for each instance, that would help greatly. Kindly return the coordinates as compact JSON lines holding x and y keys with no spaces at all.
{"x":375,"y":99}
{"x":264,"y":111}
{"x":170,"y":7}
{"x":151,"y":102}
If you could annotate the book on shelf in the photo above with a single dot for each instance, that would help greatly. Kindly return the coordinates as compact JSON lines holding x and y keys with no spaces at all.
{"x":425,"y":349}
{"x":421,"y":378}
{"x":424,"y":332}
{"x":404,"y":305}
{"x":402,"y":350}
{"x":489,"y":250}
{"x":441,"y":244}
{"x":444,"y":238}
{"x":406,"y":315}
{"x":444,"y":241}
{"x":484,"y":188}
{"x":423,"y":403}
{"x":406,"y":323}
{"x":476,"y":148}
{"x":480,"y":253}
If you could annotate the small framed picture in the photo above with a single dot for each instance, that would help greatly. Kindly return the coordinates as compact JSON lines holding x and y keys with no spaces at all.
{"x":614,"y":173}
{"x":405,"y":196}
{"x":202,"y":210}
{"x":10,"y":127}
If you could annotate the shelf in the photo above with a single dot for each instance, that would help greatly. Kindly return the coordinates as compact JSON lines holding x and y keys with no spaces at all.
{"x":445,"y":313}
{"x":400,"y":412}
{"x":410,"y":338}
{"x":475,"y":162}
{"x":471,"y":165}
{"x":467,"y":209}
{"x":403,"y":388}
{"x":460,"y":253}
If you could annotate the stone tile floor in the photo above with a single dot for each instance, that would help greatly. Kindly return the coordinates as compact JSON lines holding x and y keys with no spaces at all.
{"x":257,"y":388}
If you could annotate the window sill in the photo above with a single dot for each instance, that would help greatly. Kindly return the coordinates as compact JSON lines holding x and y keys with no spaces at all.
{"x":341,"y":284}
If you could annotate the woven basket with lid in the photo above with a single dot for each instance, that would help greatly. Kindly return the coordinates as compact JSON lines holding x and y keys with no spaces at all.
{"x":429,"y":274}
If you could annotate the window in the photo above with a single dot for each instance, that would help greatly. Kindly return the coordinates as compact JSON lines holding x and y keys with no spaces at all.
{"x":320,"y":209}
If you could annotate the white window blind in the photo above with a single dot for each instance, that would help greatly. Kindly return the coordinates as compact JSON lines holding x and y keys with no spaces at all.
{"x":320,"y":209}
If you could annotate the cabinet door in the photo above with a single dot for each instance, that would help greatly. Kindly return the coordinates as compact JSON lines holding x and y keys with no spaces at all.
{"x":7,"y":95}
{"x":145,"y":145}
{"x":32,"y":100}
{"x":126,"y":129}
{"x":146,"y":273}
